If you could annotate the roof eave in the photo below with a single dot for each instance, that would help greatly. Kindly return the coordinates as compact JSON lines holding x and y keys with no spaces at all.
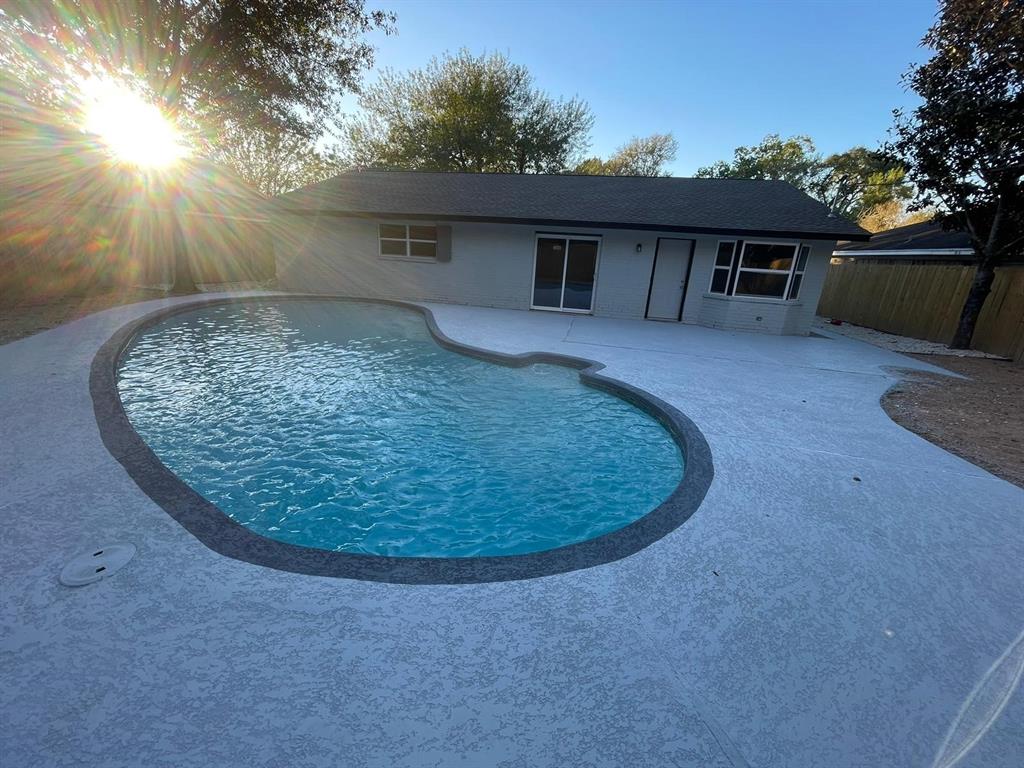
{"x":676,"y":228}
{"x":905,"y":252}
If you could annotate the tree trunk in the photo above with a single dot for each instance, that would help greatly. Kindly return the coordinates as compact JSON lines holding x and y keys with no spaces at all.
{"x":981,"y":286}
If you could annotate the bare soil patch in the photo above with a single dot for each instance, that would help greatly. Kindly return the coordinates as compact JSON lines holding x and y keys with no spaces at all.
{"x":23,"y":317}
{"x":980,"y":418}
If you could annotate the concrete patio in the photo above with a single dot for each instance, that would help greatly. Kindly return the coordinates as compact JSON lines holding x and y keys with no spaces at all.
{"x":835,"y":601}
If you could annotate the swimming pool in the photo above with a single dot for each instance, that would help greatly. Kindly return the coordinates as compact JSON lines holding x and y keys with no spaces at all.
{"x":346,"y":427}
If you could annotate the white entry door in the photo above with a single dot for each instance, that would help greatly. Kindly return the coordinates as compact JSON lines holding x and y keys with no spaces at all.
{"x":671,"y":268}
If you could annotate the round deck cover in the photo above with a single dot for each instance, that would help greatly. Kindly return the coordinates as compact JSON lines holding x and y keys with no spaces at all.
{"x":96,"y":564}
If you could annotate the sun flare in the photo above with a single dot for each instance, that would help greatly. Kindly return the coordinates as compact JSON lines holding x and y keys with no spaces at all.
{"x":133,"y":129}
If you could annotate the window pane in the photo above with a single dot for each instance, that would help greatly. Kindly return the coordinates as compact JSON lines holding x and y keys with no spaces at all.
{"x":801,"y":263}
{"x":392,"y":247}
{"x":768,"y":256}
{"x":428,"y":250}
{"x":579,"y":274}
{"x":719,"y":280}
{"x":724,"y":257}
{"x":422,"y":233}
{"x":794,"y":288}
{"x":393,"y":230}
{"x":547,"y":279}
{"x":760,"y":284}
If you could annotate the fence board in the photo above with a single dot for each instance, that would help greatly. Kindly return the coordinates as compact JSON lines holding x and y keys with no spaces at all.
{"x":924,"y":301}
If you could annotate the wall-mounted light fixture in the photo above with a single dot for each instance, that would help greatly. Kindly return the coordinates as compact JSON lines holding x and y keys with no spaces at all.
{"x":639,"y":247}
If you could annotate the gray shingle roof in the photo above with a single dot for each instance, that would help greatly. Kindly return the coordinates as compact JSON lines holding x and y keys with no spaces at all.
{"x":715,"y":206}
{"x":926,"y":236}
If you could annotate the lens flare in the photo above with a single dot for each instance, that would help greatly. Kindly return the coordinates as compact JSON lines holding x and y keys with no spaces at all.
{"x":134,"y":130}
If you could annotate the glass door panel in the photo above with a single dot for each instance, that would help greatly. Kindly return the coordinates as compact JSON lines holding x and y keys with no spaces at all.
{"x":548,"y":273}
{"x":579,"y":275}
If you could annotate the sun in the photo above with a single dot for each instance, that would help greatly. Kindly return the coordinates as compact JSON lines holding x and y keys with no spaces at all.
{"x":133,"y":129}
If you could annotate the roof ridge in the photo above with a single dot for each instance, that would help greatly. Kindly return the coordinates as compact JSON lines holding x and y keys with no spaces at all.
{"x":424,"y":172}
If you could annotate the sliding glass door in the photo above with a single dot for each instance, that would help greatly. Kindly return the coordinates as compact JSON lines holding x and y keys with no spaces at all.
{"x":563,"y":273}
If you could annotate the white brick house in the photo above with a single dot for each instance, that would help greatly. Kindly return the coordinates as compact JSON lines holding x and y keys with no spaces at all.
{"x":737,"y":254}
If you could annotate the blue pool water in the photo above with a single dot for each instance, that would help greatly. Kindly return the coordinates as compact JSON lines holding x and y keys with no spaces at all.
{"x":344,"y":426}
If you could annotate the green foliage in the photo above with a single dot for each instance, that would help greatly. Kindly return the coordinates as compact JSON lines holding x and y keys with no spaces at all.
{"x":964,"y":146}
{"x":890,"y":215}
{"x":849,"y":182}
{"x":466,"y":113}
{"x":275,"y":161}
{"x":794,"y":160}
{"x":646,"y":156}
{"x":259,"y":63}
{"x":854,"y":181}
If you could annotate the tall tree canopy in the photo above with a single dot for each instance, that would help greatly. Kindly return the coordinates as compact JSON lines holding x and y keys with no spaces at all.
{"x":892,"y":214}
{"x":854,"y":182}
{"x":851,"y":183}
{"x":794,"y":160}
{"x":645,"y":156}
{"x":964,"y":146}
{"x":254,"y":63}
{"x":242,"y":77}
{"x":276,"y":161}
{"x":467,"y":113}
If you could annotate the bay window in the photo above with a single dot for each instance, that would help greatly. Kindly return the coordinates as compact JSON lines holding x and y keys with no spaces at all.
{"x":759,"y":269}
{"x":723,"y":266}
{"x":798,"y":273}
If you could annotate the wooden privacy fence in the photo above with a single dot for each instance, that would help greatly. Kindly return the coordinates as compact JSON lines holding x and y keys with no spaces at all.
{"x":923,"y":301}
{"x":73,"y":221}
{"x":220,"y":250}
{"x":53,"y":249}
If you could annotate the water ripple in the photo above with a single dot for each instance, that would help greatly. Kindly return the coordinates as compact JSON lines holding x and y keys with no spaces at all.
{"x":346,"y":427}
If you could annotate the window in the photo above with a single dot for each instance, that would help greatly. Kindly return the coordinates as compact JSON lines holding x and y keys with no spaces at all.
{"x":798,"y":273}
{"x":759,"y":269}
{"x":408,"y":241}
{"x":723,"y":266}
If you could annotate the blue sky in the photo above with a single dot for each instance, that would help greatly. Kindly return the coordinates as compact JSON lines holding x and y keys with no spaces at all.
{"x":716,"y":74}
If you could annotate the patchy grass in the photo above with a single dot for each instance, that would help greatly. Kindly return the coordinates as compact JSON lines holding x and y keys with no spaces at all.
{"x":980,"y":419}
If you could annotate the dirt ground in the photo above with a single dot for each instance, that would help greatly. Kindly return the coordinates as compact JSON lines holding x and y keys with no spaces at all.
{"x":980,"y":419}
{"x":22,"y":318}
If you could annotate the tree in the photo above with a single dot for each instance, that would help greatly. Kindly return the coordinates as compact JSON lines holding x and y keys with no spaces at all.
{"x":890,"y":215}
{"x":263,"y":65}
{"x":277,"y":161}
{"x":849,"y":182}
{"x":466,"y":113}
{"x":857,"y":180}
{"x":964,"y":146}
{"x":794,"y":160}
{"x":646,"y":156}
{"x":274,"y":63}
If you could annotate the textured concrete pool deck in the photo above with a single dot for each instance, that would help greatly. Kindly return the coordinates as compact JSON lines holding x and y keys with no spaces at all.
{"x":801,"y":617}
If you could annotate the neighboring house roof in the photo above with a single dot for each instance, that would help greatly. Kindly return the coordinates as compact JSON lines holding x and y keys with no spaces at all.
{"x":913,"y":242}
{"x":713,"y":206}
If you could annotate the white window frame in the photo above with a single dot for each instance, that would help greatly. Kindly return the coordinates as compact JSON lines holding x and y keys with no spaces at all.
{"x":565,"y":266}
{"x":407,"y":240}
{"x":798,"y":272}
{"x":736,"y":267}
{"x":728,"y":270}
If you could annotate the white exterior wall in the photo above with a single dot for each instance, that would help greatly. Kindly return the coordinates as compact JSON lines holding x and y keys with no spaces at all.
{"x":492,"y":266}
{"x":747,"y":313}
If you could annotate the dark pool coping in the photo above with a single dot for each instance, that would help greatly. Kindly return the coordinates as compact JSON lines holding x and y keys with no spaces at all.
{"x":216,"y":530}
